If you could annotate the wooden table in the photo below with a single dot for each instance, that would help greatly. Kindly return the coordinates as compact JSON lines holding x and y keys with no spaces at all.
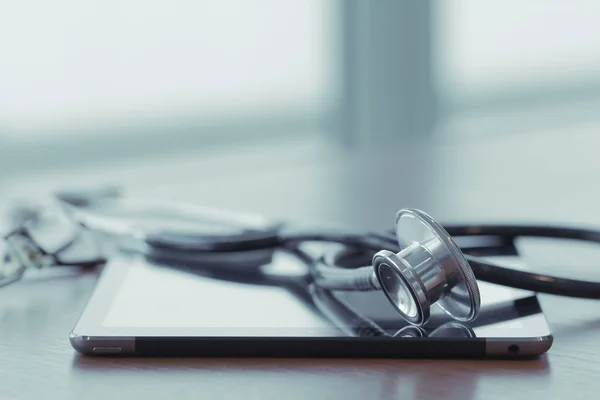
{"x":548,"y":177}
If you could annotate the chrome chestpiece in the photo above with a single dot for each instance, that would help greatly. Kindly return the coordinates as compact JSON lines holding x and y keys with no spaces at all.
{"x":430,"y":269}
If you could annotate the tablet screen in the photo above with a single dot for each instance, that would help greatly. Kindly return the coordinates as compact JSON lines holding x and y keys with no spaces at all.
{"x":137,"y":298}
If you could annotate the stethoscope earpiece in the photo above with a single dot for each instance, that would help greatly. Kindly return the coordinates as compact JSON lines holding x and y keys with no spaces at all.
{"x":430,"y":269}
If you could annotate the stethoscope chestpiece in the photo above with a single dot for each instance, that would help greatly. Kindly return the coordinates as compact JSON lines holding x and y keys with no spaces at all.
{"x":430,"y":269}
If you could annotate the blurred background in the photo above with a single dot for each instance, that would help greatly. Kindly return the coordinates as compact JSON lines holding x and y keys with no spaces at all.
{"x":87,"y":83}
{"x":319,"y":112}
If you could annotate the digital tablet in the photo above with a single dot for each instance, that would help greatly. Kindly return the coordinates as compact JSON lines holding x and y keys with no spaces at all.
{"x":141,"y":308}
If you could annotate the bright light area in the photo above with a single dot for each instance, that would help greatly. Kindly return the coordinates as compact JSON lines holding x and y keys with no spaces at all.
{"x":155,"y":297}
{"x":76,"y":63}
{"x":485,"y":46}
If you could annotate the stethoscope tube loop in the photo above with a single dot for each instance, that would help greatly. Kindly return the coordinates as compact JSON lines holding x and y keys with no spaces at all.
{"x":436,"y":270}
{"x":494,"y":273}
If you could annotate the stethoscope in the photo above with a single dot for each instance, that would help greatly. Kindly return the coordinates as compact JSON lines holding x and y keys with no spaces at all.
{"x":417,"y":267}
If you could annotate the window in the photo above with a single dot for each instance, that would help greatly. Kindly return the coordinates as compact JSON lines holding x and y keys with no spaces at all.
{"x":530,"y":64}
{"x":85,"y":73}
{"x":86,"y":79}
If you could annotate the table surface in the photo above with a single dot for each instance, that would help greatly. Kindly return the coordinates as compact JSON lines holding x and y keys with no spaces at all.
{"x":549,"y":177}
